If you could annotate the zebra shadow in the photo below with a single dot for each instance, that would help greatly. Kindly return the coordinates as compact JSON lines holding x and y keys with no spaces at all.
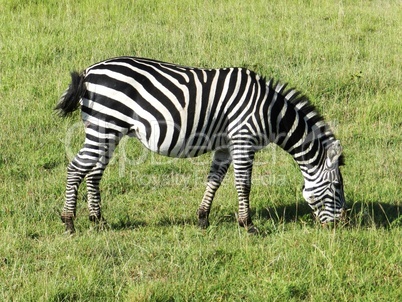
{"x":175,"y":221}
{"x":375,"y":213}
{"x":298,"y":212}
{"x":360,"y":214}
{"x":126,"y":223}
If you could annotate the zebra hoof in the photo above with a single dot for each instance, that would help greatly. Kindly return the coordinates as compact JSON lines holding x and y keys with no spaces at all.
{"x":203,"y":223}
{"x":99,"y":221}
{"x":252,"y":230}
{"x":69,"y":223}
{"x":95,"y":218}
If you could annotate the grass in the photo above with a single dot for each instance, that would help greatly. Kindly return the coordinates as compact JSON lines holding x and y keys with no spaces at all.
{"x":344,"y":54}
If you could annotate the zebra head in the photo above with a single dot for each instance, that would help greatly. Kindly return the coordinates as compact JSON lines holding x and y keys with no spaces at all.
{"x":324,"y":193}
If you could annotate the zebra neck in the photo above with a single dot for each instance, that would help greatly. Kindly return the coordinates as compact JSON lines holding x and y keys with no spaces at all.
{"x":296,"y":126}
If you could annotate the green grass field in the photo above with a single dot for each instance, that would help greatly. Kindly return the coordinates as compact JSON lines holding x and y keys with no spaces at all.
{"x":345,"y":55}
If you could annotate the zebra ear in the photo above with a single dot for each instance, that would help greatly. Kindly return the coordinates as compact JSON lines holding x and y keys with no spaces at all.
{"x":334,"y":151}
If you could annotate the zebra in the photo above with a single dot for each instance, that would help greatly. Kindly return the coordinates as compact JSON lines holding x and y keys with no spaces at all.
{"x":181,"y":111}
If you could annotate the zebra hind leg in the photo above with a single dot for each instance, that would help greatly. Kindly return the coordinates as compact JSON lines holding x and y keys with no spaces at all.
{"x":76,"y":171}
{"x":219,"y":167}
{"x":93,"y":179}
{"x":91,"y":162}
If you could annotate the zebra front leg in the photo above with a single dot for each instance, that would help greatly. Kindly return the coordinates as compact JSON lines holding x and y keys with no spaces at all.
{"x":243,"y":157}
{"x":219,"y":168}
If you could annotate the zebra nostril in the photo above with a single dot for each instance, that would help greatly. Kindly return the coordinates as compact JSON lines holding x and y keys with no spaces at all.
{"x":344,"y":211}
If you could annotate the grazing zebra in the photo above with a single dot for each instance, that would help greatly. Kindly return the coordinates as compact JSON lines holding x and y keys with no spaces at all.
{"x":181,"y":111}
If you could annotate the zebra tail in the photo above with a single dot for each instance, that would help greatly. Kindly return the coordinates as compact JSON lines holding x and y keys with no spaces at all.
{"x":70,"y":99}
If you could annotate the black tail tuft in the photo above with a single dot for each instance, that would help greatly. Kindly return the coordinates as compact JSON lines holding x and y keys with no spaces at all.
{"x":69,"y":101}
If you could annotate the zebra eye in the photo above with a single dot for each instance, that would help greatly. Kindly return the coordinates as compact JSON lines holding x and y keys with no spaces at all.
{"x":309,"y":198}
{"x":336,"y":185}
{"x":308,"y":195}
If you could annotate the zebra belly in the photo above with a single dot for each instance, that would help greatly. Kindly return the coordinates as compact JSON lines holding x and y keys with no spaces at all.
{"x":177,"y":144}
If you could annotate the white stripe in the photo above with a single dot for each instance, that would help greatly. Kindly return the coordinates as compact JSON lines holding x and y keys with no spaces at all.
{"x":235,"y":110}
{"x":279,"y":120}
{"x":291,"y":131}
{"x":123,"y":98}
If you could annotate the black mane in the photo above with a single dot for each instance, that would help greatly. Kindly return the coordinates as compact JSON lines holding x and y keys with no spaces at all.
{"x":304,"y":106}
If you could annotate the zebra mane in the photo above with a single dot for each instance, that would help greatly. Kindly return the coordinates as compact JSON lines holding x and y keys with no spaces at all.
{"x":304,"y":107}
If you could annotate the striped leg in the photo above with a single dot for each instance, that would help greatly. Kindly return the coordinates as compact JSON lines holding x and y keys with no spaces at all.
{"x":93,"y":179}
{"x":219,"y":167}
{"x":75,"y":176}
{"x":243,"y":157}
{"x":90,"y":162}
